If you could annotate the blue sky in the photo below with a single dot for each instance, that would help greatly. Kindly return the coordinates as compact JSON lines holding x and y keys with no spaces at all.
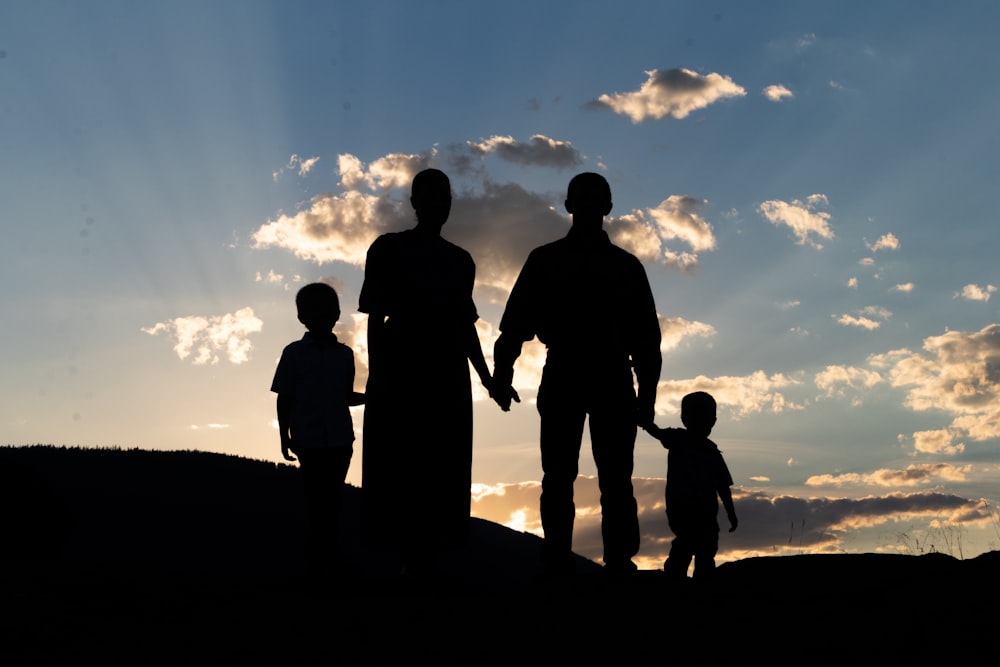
{"x":808,"y":184}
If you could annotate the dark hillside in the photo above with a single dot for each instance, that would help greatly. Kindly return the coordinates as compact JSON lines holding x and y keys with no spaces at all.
{"x":136,"y":557}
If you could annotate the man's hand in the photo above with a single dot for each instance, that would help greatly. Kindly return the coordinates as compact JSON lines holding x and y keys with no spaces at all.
{"x":503,"y":395}
{"x":733,"y":522}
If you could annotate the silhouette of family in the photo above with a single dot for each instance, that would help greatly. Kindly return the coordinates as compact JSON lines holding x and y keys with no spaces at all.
{"x":417,"y":432}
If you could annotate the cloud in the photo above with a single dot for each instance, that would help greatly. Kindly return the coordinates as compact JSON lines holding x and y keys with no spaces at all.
{"x":498,"y":223}
{"x":676,"y":218}
{"x":885,"y":242}
{"x":743,"y":394}
{"x":539,"y":150}
{"x":938,"y":441}
{"x":862,"y":322}
{"x":776,"y":93}
{"x":912,"y":475}
{"x":333,"y":227}
{"x":296,"y":163}
{"x":675,"y":329}
{"x":801,"y":217}
{"x":958,"y":373}
{"x":904,"y":287}
{"x":834,"y":380}
{"x":204,"y":339}
{"x":976,"y":293}
{"x":674,"y":92}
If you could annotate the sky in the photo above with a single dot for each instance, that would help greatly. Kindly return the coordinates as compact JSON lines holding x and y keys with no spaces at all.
{"x":807,"y":184}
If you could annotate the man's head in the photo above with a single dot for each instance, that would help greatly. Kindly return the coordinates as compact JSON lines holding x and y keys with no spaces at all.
{"x":698,"y":413}
{"x":588,"y":197}
{"x":318,"y":307}
{"x":430,"y":196}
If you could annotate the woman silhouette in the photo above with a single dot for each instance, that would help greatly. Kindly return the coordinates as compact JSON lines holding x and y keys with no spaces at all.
{"x":417,"y":446}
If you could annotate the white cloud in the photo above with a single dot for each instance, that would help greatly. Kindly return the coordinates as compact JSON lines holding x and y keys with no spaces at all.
{"x":976,"y":293}
{"x":853,"y":283}
{"x":332,"y":228}
{"x":302,"y":166}
{"x":912,"y":475}
{"x":676,"y":329}
{"x":204,"y":339}
{"x":861,"y":322}
{"x":743,"y":394}
{"x":833,"y":380}
{"x":776,"y":93}
{"x":395,"y":170}
{"x":885,"y":242}
{"x":677,"y":217}
{"x":674,"y":92}
{"x":938,"y":441}
{"x":904,"y":287}
{"x":801,"y":217}
{"x":958,"y":373}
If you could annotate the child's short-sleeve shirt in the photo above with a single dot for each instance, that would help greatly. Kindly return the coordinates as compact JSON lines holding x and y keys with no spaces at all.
{"x":318,"y":374}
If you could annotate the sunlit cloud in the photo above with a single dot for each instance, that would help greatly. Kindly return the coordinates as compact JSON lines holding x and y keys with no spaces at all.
{"x":913,"y":475}
{"x":744,"y":395}
{"x":885,"y":242}
{"x":777,"y":93}
{"x":677,"y":217}
{"x":801,"y":217}
{"x":297,"y":164}
{"x":835,"y":380}
{"x":539,"y":150}
{"x":958,"y":373}
{"x":938,"y":441}
{"x":206,"y":340}
{"x":674,"y":330}
{"x":860,"y":322}
{"x":763,"y":479}
{"x":210,"y":427}
{"x":904,"y":287}
{"x":395,"y":170}
{"x":674,"y":92}
{"x":852,"y":282}
{"x":976,"y":293}
{"x":788,"y":305}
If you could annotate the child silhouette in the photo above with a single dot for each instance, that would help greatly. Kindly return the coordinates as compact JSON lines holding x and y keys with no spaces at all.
{"x":697,"y":477}
{"x":314,"y":381}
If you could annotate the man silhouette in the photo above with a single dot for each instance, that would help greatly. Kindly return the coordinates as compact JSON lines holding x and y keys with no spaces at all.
{"x":590,"y":303}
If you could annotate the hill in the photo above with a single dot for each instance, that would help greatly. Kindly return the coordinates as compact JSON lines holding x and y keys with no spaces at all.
{"x":164,"y":557}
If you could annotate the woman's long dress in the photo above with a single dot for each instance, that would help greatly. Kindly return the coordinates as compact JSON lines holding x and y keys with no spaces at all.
{"x":417,"y":444}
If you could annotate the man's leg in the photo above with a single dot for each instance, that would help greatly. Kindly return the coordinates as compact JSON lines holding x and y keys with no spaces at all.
{"x":612,"y":434}
{"x":561,"y":433}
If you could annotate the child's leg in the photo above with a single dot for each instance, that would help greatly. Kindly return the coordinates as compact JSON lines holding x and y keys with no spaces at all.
{"x":681,"y":549}
{"x":705,"y":550}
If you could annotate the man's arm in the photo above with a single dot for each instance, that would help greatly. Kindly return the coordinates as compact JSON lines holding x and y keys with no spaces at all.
{"x":505,"y":352}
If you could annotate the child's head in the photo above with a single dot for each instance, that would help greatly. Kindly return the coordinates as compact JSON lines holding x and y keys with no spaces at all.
{"x":318,"y":307}
{"x":698,"y":413}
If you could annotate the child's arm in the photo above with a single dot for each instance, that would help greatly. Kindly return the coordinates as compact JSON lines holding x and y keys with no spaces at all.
{"x":284,"y":422}
{"x":726,"y":494}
